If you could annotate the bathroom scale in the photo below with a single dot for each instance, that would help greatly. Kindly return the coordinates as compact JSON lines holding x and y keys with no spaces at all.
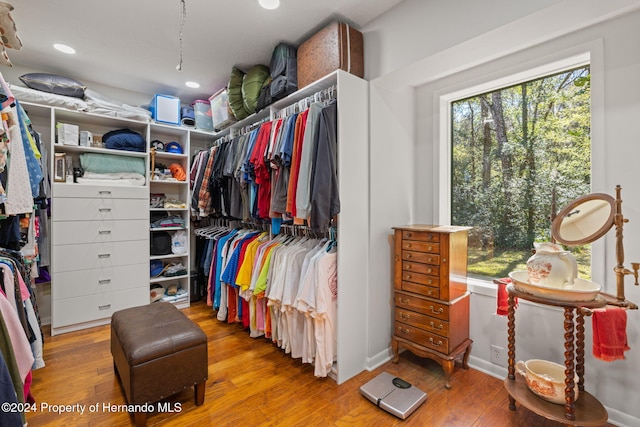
{"x":393,"y":394}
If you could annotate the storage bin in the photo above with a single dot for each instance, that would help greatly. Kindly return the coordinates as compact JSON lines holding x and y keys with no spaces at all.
{"x":202,"y":113}
{"x":220,"y":112}
{"x":165,"y":109}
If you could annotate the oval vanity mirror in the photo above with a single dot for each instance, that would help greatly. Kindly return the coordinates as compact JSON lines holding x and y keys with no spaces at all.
{"x":584,"y":220}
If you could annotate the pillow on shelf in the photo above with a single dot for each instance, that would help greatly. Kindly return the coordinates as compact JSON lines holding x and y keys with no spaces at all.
{"x":53,"y":83}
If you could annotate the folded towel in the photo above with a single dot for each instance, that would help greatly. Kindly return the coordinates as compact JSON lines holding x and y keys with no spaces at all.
{"x":502,"y":298}
{"x":609,"y":333}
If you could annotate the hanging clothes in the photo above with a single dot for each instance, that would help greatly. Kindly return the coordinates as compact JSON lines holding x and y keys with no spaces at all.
{"x":325,"y":200}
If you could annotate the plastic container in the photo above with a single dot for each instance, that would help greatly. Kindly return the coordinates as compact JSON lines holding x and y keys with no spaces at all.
{"x":165,"y":109}
{"x":202,"y":112}
{"x":220,"y":111}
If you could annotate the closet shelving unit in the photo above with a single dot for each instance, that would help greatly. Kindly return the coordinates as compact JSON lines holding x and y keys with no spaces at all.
{"x":178,"y":191}
{"x":353,"y":174}
{"x":98,"y":231}
{"x":70,"y":302}
{"x":84,"y":291}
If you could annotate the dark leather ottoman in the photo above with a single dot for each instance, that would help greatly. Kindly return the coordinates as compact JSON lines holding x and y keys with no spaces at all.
{"x":157,"y":352}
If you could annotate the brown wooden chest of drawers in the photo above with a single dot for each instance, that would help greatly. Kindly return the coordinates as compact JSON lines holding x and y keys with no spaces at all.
{"x":431,"y":301}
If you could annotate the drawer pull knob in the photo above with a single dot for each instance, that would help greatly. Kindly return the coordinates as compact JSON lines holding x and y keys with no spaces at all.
{"x":433,"y":325}
{"x":408,"y":267}
{"x":104,"y":232}
{"x":407,"y":256}
{"x":429,"y":292}
{"x":439,"y":343}
{"x":405,"y":316}
{"x":104,"y":255}
{"x":104,"y":209}
{"x":430,"y":237}
{"x":407,"y":245}
{"x":104,"y":192}
{"x":429,"y":282}
{"x":407,"y":276}
{"x":104,"y":307}
{"x":404,"y":331}
{"x":404,"y":301}
{"x":408,"y":235}
{"x":430,"y":248}
{"x":440,"y":310}
{"x":104,"y":281}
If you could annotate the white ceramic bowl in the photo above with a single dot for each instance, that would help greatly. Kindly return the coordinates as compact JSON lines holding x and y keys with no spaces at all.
{"x":582,"y":290}
{"x":545,"y":379}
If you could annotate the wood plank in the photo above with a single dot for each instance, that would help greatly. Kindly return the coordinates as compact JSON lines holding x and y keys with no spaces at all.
{"x":252,"y":382}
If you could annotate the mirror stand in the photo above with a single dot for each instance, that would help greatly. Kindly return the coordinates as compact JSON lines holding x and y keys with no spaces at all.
{"x":585,"y":220}
{"x":619,"y":269}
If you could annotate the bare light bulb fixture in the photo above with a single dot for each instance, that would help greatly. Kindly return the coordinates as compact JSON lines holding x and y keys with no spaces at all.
{"x":269,"y":4}
{"x":184,"y":17}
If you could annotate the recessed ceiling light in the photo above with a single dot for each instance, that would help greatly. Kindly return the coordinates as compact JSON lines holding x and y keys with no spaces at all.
{"x":64,"y":48}
{"x":192,"y":84}
{"x":269,"y":4}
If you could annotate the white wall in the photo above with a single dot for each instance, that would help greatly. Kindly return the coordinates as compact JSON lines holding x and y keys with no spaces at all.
{"x":404,"y":122}
{"x":12,"y":76}
{"x":416,"y":29}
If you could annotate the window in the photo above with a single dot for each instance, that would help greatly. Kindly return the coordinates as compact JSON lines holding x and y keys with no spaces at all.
{"x":515,"y":150}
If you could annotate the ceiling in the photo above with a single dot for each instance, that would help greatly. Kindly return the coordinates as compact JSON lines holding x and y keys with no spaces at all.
{"x":135,"y":44}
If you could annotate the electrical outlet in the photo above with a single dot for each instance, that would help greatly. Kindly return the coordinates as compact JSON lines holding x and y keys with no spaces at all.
{"x":498,"y":356}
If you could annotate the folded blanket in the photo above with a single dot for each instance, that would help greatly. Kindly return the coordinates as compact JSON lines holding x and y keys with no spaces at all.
{"x":609,"y":333}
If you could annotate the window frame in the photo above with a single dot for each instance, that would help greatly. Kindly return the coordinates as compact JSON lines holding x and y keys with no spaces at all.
{"x":590,"y":54}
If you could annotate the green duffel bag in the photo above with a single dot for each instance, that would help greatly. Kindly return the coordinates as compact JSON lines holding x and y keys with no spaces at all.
{"x":234,"y":94}
{"x":252,"y":84}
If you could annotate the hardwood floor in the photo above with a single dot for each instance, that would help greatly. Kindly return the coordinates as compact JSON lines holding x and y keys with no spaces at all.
{"x":253,"y":383}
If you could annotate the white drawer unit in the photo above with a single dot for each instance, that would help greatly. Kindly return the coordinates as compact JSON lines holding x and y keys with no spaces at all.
{"x":83,"y":311}
{"x":76,"y":283}
{"x":99,"y":253}
{"x":89,"y":256}
{"x":99,"y":191}
{"x":85,"y":209}
{"x":75,"y":232}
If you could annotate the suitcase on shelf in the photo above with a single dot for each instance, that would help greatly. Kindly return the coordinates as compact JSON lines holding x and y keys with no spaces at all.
{"x":336,"y":46}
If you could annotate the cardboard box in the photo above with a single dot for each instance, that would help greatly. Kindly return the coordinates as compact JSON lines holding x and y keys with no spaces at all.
{"x":165,"y":109}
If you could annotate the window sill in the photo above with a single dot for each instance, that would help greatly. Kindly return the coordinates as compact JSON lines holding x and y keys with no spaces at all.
{"x":482,"y":287}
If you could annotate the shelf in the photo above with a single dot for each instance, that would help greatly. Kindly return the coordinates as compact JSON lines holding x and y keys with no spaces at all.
{"x":82,"y":149}
{"x":168,"y":209}
{"x":588,"y":410}
{"x":162,"y":279}
{"x":167,"y":182}
{"x":166,"y":155}
{"x":169,"y":256}
{"x":166,"y":228}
